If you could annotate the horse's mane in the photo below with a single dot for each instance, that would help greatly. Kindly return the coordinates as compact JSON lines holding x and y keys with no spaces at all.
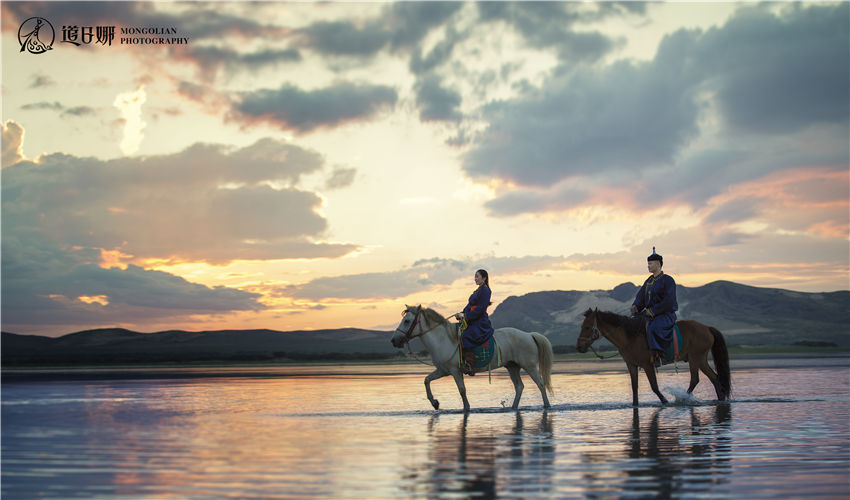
{"x":433,"y":317}
{"x":634,"y":327}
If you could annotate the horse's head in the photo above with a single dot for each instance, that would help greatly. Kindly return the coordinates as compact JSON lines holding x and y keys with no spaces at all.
{"x":589,"y":331}
{"x":404,"y":332}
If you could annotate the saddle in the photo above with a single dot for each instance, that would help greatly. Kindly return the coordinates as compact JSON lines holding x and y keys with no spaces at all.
{"x":485,"y":353}
{"x":671,"y":353}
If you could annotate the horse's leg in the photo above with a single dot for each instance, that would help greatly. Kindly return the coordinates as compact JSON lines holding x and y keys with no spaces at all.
{"x":535,"y":376}
{"x":693,"y":363}
{"x":461,"y":388}
{"x":513,"y":370}
{"x":434,"y":375}
{"x":633,"y":373}
{"x":653,"y":383}
{"x":704,"y":366}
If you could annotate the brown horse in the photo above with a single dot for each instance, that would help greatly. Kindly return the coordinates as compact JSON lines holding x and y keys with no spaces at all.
{"x":629,"y":337}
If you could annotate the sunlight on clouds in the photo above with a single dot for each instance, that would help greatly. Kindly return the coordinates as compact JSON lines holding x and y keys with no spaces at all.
{"x":114,"y":258}
{"x":102,"y":300}
{"x":130,"y":106}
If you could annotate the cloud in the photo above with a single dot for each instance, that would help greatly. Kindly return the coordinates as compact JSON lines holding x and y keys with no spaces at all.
{"x":521,"y":201}
{"x":806,"y":200}
{"x":422,"y":275}
{"x":436,"y":102}
{"x":43,"y":285}
{"x":547,"y":25}
{"x":780,"y":73}
{"x":206,"y":203}
{"x":130,"y":106}
{"x":341,"y":178}
{"x":197,"y":21}
{"x":13,"y":143}
{"x":721,"y":104}
{"x":41,"y":81}
{"x":294,"y":109}
{"x":213,"y":59}
{"x":79,"y":111}
{"x":400,"y":25}
{"x":43,"y":105}
{"x":591,"y":123}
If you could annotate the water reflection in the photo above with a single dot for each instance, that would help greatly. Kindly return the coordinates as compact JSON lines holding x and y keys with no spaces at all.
{"x":663,"y":458}
{"x":479,"y":456}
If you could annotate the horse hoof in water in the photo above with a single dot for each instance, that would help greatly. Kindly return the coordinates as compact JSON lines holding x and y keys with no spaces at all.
{"x":435,"y":404}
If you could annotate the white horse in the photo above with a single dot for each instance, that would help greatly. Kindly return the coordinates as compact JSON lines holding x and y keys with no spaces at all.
{"x":519,"y":350}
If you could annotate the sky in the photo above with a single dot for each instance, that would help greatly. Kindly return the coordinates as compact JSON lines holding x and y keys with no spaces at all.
{"x":301,"y":165}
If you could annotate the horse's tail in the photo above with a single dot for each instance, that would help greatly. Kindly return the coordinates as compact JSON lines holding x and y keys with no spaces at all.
{"x":545,"y":356}
{"x":721,"y":362}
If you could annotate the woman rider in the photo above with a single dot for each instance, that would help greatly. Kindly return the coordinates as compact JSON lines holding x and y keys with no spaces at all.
{"x":657,"y":299}
{"x":478,"y":329}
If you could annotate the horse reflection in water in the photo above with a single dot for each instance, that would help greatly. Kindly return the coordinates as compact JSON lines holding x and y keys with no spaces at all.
{"x":479,"y":460}
{"x":665,"y":461}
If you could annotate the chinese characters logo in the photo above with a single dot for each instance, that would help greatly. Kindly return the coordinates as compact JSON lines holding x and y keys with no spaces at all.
{"x":36,"y":35}
{"x":73,"y":35}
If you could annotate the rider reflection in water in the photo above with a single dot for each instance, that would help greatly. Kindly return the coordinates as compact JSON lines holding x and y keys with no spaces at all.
{"x":478,"y":328}
{"x":657,"y":299}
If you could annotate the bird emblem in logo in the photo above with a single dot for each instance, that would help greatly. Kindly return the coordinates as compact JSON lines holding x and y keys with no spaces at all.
{"x":34,"y":33}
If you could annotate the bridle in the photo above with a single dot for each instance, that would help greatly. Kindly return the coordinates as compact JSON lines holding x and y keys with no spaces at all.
{"x":595,"y":333}
{"x":409,"y":334}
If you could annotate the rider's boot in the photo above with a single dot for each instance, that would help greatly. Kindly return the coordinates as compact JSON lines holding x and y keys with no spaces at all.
{"x":468,"y":362}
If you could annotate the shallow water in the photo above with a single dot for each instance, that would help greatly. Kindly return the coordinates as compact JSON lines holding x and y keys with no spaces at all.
{"x":369,"y":432}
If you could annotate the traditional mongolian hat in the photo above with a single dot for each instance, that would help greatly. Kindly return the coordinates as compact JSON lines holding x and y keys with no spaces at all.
{"x":655,"y":256}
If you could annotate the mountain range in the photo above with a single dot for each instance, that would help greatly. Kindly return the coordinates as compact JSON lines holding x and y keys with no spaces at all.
{"x":746,"y":315}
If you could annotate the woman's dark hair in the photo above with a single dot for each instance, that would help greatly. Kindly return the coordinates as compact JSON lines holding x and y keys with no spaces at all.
{"x":484,"y":275}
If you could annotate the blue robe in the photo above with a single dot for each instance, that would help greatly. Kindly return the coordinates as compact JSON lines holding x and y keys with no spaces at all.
{"x":659,"y":296}
{"x":479,"y":329}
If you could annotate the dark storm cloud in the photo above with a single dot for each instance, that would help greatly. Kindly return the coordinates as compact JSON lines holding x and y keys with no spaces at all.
{"x":628,"y":125}
{"x":292,"y":108}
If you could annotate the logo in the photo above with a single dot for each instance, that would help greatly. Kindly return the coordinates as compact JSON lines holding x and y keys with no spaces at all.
{"x":36,"y":35}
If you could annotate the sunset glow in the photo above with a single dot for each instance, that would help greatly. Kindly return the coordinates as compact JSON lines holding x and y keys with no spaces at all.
{"x":319,"y":165}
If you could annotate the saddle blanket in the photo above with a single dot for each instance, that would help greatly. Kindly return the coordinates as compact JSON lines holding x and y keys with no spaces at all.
{"x":671,"y":354}
{"x":485,"y":352}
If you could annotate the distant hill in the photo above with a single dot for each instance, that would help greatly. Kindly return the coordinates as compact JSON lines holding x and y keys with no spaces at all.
{"x":115,"y":345}
{"x":746,"y":315}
